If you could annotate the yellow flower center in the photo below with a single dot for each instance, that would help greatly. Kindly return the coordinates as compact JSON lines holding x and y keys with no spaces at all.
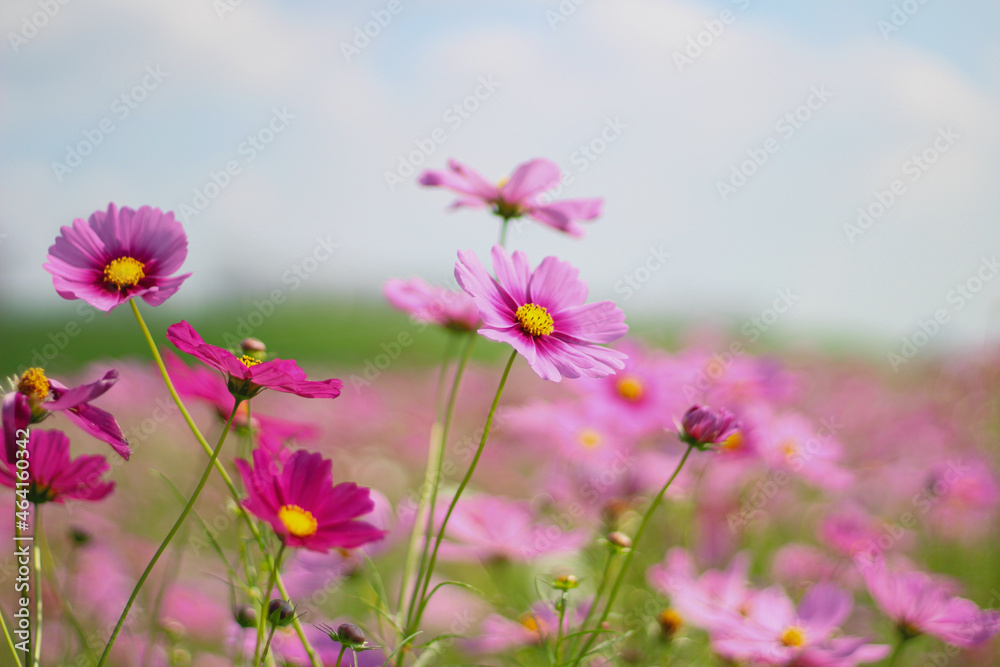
{"x":124,"y":272}
{"x":249,"y":361}
{"x":630,"y":388}
{"x":789,"y":448}
{"x":590,"y":438}
{"x":503,"y":181}
{"x":298,"y":521}
{"x":535,"y":320}
{"x":670,"y":621}
{"x":529,"y":621}
{"x":793,"y":636}
{"x":733,"y":443}
{"x":34,"y":384}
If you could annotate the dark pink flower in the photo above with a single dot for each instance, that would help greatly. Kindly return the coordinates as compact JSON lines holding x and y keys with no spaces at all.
{"x":520,"y":195}
{"x":303,"y":506}
{"x":246,"y":375}
{"x":35,"y":397}
{"x":437,"y":305}
{"x":700,"y":426}
{"x":117,"y":255}
{"x":53,"y":477}
{"x":542,"y":314}
{"x":918,"y":604}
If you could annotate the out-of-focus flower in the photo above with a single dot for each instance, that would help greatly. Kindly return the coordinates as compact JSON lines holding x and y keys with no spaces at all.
{"x":118,"y":255}
{"x":53,"y":476}
{"x":302,"y":504}
{"x":499,"y":633}
{"x":700,"y":427}
{"x":35,"y":397}
{"x":918,"y":604}
{"x":789,"y":441}
{"x":246,"y":376}
{"x":437,"y":305}
{"x":708,"y":600}
{"x":492,"y":528}
{"x":542,"y":314}
{"x":774,"y":632}
{"x":520,"y":195}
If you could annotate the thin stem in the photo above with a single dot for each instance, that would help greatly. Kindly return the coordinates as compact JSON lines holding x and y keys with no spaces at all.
{"x":896,"y":652}
{"x":425,"y":519}
{"x":265,"y":604}
{"x":170,"y":535}
{"x":612,"y":552}
{"x":503,"y":232}
{"x":270,"y":636}
{"x":314,"y":658}
{"x":49,"y":572}
{"x":36,"y":656}
{"x":10,"y":640}
{"x":340,"y":656}
{"x":559,"y":632}
{"x":458,"y":494}
{"x":631,"y":552}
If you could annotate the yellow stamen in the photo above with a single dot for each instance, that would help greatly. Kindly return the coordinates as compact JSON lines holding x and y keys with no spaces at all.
{"x":249,"y":361}
{"x":34,"y":384}
{"x":124,"y":272}
{"x":793,"y":636}
{"x":529,"y":621}
{"x":630,"y":388}
{"x":503,"y":181}
{"x":590,"y":438}
{"x":734,"y":443}
{"x":790,"y":448}
{"x":298,"y":521}
{"x":535,"y":320}
{"x":670,"y":621}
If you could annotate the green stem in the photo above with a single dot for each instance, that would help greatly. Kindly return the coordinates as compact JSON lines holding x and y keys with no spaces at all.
{"x":265,"y":604}
{"x":10,"y":640}
{"x":628,"y":556}
{"x":503,"y":232}
{"x":170,"y":535}
{"x":559,"y":632}
{"x":314,"y":658}
{"x":425,"y":519}
{"x":612,"y":552}
{"x":896,"y":652}
{"x":270,"y":636}
{"x":340,"y":656}
{"x":458,"y":494}
{"x":36,"y":656}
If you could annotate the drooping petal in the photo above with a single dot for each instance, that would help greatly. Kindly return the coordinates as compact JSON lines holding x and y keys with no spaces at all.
{"x":530,"y":179}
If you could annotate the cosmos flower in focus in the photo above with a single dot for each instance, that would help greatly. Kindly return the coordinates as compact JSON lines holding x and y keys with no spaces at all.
{"x":542,"y":314}
{"x":35,"y":397}
{"x":517,"y":196}
{"x":117,"y":255}
{"x":53,"y":476}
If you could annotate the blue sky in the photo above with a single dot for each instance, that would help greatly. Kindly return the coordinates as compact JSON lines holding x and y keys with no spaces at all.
{"x":681,"y":129}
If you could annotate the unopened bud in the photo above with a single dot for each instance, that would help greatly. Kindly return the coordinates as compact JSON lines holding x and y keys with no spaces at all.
{"x":670,"y":622}
{"x":80,"y":536}
{"x":280,"y":613}
{"x":565,"y":583}
{"x":351,"y":634}
{"x":246,"y":616}
{"x":620,"y":540}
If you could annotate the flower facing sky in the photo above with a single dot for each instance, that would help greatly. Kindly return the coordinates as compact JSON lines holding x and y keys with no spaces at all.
{"x":117,"y":255}
{"x":246,"y":375}
{"x":35,"y":397}
{"x":542,"y":314}
{"x":517,"y":196}
{"x":303,"y":506}
{"x":53,"y":476}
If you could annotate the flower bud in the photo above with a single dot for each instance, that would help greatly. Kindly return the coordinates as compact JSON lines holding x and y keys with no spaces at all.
{"x":670,"y":622}
{"x":351,"y":634}
{"x":80,"y":536}
{"x":620,"y":540}
{"x":565,"y":583}
{"x":280,"y":613}
{"x":246,"y":616}
{"x":701,"y":427}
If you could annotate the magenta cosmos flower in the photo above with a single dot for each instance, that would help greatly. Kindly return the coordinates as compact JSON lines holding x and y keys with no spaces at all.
{"x":542,"y":314}
{"x":437,"y":305}
{"x":246,"y":375}
{"x":517,"y":196}
{"x":700,"y":427}
{"x":302,"y":504}
{"x":35,"y":397}
{"x":117,"y":255}
{"x":918,"y":604}
{"x":53,"y":477}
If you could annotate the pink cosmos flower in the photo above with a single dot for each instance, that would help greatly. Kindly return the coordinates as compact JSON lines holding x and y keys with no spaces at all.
{"x":437,"y":305}
{"x":542,"y":314}
{"x":493,"y":528}
{"x":246,"y":375}
{"x":520,"y":195}
{"x":118,"y":255}
{"x":700,"y":426}
{"x":302,"y":504}
{"x":918,"y":604}
{"x":36,"y":397}
{"x":498,"y":633}
{"x":705,"y":601}
{"x":53,"y":476}
{"x":774,"y":632}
